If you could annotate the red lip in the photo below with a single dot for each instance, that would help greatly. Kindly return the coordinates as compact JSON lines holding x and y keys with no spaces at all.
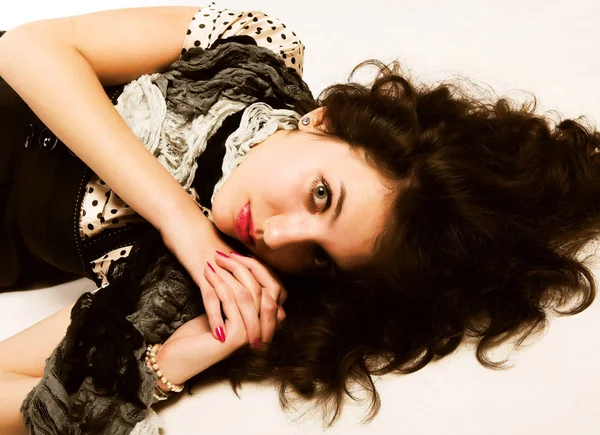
{"x":244,"y":227}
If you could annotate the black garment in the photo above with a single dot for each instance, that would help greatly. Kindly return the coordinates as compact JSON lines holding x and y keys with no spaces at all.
{"x":41,"y":189}
{"x":13,"y":112}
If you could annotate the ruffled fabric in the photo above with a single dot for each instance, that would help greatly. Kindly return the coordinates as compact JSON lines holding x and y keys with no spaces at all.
{"x":95,"y":381}
{"x":175,"y":113}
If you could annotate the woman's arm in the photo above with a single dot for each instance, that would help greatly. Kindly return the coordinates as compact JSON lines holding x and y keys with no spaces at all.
{"x":58,"y":67}
{"x":22,"y":359}
{"x":190,"y":350}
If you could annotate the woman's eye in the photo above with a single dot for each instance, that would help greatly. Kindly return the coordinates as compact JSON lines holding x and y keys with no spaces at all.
{"x":321,"y":258}
{"x":321,"y":196}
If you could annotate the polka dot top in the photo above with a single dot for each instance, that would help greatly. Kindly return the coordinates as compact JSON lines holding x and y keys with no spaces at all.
{"x":211,"y":23}
{"x":101,"y":208}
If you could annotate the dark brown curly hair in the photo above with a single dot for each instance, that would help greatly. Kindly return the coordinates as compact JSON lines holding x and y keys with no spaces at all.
{"x":493,"y":208}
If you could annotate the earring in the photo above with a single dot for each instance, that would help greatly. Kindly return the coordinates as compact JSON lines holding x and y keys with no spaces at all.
{"x":305,"y":120}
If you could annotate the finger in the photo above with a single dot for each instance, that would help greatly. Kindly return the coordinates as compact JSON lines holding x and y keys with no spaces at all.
{"x":268,"y":318}
{"x":212,"y":306}
{"x":266,"y":277}
{"x":226,"y":298}
{"x":271,"y":287}
{"x":280,"y":316}
{"x":243,"y":275}
{"x":282,"y":297}
{"x":245,"y":304}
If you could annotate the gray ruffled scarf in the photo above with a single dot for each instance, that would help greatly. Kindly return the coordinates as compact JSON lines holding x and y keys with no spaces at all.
{"x":95,"y":381}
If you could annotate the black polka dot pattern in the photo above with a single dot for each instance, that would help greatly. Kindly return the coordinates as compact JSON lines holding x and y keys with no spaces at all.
{"x":101,"y":210}
{"x":101,"y":265}
{"x":211,"y":23}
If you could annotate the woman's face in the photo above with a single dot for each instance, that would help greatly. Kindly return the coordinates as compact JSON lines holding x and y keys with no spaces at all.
{"x":301,"y":201}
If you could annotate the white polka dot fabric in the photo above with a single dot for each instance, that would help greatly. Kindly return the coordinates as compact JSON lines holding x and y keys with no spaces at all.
{"x":101,"y":265}
{"x":101,"y":208}
{"x":211,"y":23}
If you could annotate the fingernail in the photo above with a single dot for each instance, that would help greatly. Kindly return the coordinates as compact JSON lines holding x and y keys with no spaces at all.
{"x":211,"y":268}
{"x":236,"y":253}
{"x":220,"y":334}
{"x":257,"y":343}
{"x":222,"y":254}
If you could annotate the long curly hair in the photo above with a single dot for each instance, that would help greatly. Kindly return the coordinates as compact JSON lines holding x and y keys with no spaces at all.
{"x":493,"y":208}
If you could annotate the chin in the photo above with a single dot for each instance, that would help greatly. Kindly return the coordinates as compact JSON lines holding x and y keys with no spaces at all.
{"x":221,"y":223}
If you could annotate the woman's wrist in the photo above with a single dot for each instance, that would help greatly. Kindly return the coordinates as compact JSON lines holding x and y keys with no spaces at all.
{"x":183,"y":215}
{"x":165,"y":385}
{"x":166,"y":368}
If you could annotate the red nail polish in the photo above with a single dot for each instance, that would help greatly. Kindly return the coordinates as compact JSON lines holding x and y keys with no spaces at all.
{"x":220,"y":334}
{"x":222,"y":254}
{"x":257,"y":343}
{"x":211,"y":268}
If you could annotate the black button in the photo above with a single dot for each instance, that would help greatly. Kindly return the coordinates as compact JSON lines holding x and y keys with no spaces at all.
{"x":30,"y":136}
{"x":47,"y":140}
{"x":114,"y":95}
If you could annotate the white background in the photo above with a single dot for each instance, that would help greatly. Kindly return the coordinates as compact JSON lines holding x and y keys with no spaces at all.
{"x":548,"y":48}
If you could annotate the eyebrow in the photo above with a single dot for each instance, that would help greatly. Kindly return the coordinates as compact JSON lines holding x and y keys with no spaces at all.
{"x":339,"y":205}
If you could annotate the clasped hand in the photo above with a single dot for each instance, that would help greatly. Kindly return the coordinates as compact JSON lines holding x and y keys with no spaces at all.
{"x":245,"y":288}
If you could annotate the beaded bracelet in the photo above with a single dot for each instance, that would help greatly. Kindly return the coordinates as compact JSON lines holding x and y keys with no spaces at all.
{"x":159,"y":394}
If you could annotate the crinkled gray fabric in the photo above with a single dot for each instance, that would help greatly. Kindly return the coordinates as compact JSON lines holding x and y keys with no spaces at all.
{"x":50,"y":409}
{"x":94,"y":382}
{"x":236,"y":71}
{"x":167,"y":299}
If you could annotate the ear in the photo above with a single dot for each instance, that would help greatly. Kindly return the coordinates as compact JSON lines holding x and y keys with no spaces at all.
{"x":317,"y":120}
{"x":319,"y":116}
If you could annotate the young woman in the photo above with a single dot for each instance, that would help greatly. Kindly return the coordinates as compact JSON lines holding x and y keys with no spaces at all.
{"x":435,"y":214}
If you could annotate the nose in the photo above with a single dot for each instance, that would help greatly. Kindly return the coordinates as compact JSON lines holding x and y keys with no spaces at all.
{"x":282,"y":230}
